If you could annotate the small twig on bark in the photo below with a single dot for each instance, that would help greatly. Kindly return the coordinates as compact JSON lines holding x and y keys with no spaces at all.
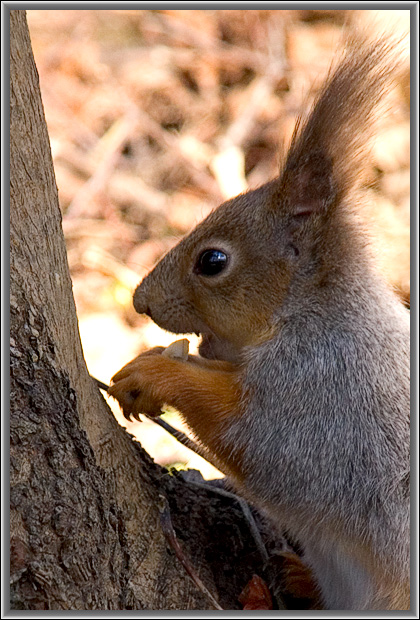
{"x":170,"y":535}
{"x":246,"y":512}
{"x":180,"y":436}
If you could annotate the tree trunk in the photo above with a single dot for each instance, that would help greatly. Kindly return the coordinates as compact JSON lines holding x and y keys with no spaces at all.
{"x":86,"y":500}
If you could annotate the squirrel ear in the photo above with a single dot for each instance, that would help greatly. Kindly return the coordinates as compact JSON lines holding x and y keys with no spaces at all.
{"x":306,"y":187}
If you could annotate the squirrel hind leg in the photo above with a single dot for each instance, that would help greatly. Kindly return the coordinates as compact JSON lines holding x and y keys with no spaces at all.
{"x":297,"y":583}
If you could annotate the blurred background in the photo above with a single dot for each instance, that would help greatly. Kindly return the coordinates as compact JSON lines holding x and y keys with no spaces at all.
{"x":157,"y":116}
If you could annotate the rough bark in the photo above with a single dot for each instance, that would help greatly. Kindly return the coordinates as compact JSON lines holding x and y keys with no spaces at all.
{"x":85,"y":498}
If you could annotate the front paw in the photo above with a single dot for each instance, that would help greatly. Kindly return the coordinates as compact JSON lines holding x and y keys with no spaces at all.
{"x":133,"y":386}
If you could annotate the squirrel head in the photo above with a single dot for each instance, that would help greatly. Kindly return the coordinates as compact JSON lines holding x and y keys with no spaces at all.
{"x":230,"y":277}
{"x":212,"y":282}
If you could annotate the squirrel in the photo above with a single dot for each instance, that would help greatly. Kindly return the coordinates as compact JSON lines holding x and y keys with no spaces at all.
{"x":300,"y":392}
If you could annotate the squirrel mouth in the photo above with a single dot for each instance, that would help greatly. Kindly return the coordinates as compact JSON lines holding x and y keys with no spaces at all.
{"x":206,"y":347}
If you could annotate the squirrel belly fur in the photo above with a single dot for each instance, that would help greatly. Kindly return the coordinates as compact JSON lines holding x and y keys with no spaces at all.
{"x":301,"y":391}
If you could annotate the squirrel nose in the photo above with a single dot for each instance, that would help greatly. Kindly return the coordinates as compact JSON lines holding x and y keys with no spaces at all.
{"x":140,"y":301}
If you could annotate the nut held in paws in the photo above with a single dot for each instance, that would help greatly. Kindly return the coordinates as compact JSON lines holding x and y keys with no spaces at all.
{"x":178,"y":350}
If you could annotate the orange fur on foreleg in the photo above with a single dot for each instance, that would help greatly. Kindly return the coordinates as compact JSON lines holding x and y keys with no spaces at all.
{"x":206,"y":393}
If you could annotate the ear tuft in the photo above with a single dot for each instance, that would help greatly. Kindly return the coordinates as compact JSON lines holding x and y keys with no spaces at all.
{"x":327,"y":153}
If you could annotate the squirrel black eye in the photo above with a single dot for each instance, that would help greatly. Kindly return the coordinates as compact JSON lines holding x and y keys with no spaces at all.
{"x":211,"y":262}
